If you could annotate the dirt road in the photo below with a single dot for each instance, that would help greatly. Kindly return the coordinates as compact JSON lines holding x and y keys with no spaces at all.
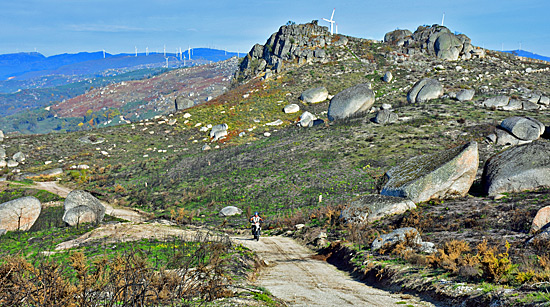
{"x":299,"y":280}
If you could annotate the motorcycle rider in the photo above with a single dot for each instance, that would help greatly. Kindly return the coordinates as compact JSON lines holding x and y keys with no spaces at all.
{"x":255,"y":219}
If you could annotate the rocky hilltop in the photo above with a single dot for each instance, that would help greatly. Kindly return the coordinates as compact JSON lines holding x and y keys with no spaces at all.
{"x":290,"y":46}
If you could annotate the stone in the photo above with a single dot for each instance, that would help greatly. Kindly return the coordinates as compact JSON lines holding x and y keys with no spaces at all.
{"x":520,"y":168}
{"x":529,"y":106}
{"x":386,"y":106}
{"x":496,"y":102}
{"x":182,"y":103}
{"x":395,"y":36}
{"x":19,"y":157}
{"x":206,"y":147}
{"x":79,"y":198}
{"x":424,"y":90}
{"x":314,"y":95}
{"x":427,"y":248}
{"x":79,"y":215}
{"x":353,"y":100}
{"x":12,"y":164}
{"x":369,"y":208}
{"x":1,"y":136}
{"x":306,"y":119}
{"x":3,"y":163}
{"x":523,"y":128}
{"x":216,"y":128}
{"x":385,"y":117}
{"x":447,"y":46}
{"x":2,"y":153}
{"x":51,"y":172}
{"x":275,"y":123}
{"x":544,"y":100}
{"x":513,"y":105}
{"x":541,"y":219}
{"x":387,"y":77}
{"x":445,"y":174}
{"x":396,"y":236}
{"x":291,"y":108}
{"x":299,"y":226}
{"x":91,"y":139}
{"x":230,"y":211}
{"x":504,"y":138}
{"x":19,"y":214}
{"x":465,"y":95}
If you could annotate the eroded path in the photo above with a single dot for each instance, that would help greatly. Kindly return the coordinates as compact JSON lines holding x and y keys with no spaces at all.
{"x":298,"y":279}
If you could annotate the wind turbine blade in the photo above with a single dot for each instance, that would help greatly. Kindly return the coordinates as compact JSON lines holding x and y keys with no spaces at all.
{"x":331,"y":16}
{"x":326,"y":20}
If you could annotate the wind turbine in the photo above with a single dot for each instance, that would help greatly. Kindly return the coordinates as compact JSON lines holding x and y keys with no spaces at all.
{"x":443,"y":19}
{"x":189,"y":53}
{"x":331,"y":22}
{"x":181,"y":59}
{"x":166,"y":61}
{"x":146,"y":51}
{"x":164,"y":50}
{"x":336,"y":28}
{"x":136,"y":50}
{"x":103,"y":53}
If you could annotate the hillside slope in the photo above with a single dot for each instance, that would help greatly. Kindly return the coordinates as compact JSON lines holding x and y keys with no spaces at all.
{"x":296,"y":175}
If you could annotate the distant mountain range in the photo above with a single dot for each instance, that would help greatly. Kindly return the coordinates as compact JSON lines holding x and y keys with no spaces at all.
{"x":527,"y":54}
{"x":23,"y":66}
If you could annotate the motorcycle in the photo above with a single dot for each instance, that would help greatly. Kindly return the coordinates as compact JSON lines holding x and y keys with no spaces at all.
{"x":256,"y":230}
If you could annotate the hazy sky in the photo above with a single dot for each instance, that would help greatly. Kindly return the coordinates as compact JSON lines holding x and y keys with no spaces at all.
{"x":59,"y":26}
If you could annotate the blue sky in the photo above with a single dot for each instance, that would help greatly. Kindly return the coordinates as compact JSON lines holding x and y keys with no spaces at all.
{"x":59,"y":26}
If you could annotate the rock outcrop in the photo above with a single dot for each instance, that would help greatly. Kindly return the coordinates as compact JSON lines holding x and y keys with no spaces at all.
{"x":355,"y":99}
{"x":444,"y":174}
{"x":75,"y":213}
{"x":541,"y":219}
{"x":369,"y":208}
{"x":292,"y":44}
{"x":523,"y":128}
{"x":19,"y":214}
{"x":435,"y":40}
{"x":182,"y":103}
{"x":520,"y":168}
{"x":424,"y":90}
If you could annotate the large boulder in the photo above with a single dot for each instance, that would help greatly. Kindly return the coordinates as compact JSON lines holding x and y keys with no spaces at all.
{"x":80,"y":215}
{"x":356,"y":99}
{"x":216,"y":128}
{"x":73,"y":212}
{"x":465,"y":95}
{"x":504,"y":138}
{"x":19,"y":214}
{"x":230,"y":211}
{"x":369,"y":208}
{"x":314,"y":95}
{"x":447,"y":46}
{"x":397,"y":37}
{"x":541,"y":219}
{"x":424,"y":90}
{"x":520,"y":168}
{"x":387,"y":77}
{"x":445,"y":174}
{"x":523,"y":128}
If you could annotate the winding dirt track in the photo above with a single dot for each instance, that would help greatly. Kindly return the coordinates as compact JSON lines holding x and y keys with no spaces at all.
{"x":295,"y":277}
{"x":292,"y":274}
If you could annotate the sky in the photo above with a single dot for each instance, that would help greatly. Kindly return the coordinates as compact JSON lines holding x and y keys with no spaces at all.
{"x":118,"y":26}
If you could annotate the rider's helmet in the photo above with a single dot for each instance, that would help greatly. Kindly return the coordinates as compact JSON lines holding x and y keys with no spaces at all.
{"x":256,"y":213}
